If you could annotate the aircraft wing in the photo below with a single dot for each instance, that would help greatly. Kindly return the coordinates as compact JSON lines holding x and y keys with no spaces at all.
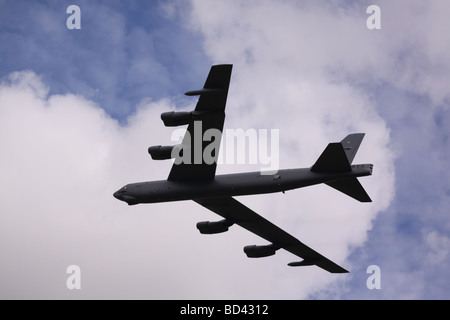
{"x":235,"y":212}
{"x":209,"y":116}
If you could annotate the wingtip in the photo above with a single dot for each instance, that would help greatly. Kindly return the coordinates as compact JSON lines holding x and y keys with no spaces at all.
{"x":326,"y":265}
{"x":224,"y":65}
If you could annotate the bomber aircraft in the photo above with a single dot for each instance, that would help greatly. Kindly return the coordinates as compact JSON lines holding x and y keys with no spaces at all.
{"x":193,"y":176}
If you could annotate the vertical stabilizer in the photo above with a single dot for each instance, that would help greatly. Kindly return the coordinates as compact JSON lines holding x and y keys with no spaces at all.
{"x":338,"y":157}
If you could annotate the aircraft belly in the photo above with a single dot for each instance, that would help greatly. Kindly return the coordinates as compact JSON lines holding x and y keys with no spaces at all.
{"x":225,"y":185}
{"x":232,"y":185}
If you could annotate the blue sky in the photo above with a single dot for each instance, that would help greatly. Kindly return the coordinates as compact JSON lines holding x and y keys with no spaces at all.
{"x":130,"y":50}
{"x":80,"y":107}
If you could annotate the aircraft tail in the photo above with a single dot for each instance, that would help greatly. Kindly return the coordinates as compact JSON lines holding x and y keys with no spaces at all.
{"x":338,"y":157}
{"x":352,"y":188}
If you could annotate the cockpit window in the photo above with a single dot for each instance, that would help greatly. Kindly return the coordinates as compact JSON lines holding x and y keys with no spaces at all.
{"x":123,"y":189}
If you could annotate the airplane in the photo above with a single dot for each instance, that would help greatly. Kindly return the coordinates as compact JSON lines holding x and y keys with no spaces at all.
{"x":195,"y":178}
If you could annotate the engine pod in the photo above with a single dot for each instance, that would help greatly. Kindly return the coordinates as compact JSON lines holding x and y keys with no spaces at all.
{"x":174,"y":119}
{"x":255,"y":251}
{"x":208,"y":227}
{"x":161,"y":152}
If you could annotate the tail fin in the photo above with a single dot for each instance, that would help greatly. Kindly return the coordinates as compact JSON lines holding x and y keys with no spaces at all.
{"x":338,"y":157}
{"x":351,"y":145}
{"x":332,"y":159}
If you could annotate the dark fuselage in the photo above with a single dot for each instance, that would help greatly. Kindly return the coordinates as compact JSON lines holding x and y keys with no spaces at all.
{"x":237,"y":184}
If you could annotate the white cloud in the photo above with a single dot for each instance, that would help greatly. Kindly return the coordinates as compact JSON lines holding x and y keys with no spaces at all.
{"x":310,"y":39}
{"x":439,"y":246}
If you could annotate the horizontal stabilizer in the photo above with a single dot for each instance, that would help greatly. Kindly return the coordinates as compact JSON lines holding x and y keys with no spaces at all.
{"x":352,"y":188}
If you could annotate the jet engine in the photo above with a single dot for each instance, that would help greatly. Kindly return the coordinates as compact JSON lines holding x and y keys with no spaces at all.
{"x":254,"y":251}
{"x":208,"y":227}
{"x":174,"y":119}
{"x":161,"y":152}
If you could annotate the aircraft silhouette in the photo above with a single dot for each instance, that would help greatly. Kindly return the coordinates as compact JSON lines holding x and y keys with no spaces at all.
{"x":193,"y":177}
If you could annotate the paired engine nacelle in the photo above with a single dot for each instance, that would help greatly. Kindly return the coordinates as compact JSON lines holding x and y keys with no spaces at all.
{"x":161,"y":152}
{"x":174,"y":119}
{"x":208,"y":227}
{"x":254,"y":251}
{"x":180,"y":118}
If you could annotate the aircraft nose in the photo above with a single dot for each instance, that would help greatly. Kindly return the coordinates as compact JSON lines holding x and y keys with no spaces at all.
{"x":117,"y":195}
{"x":123,"y":195}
